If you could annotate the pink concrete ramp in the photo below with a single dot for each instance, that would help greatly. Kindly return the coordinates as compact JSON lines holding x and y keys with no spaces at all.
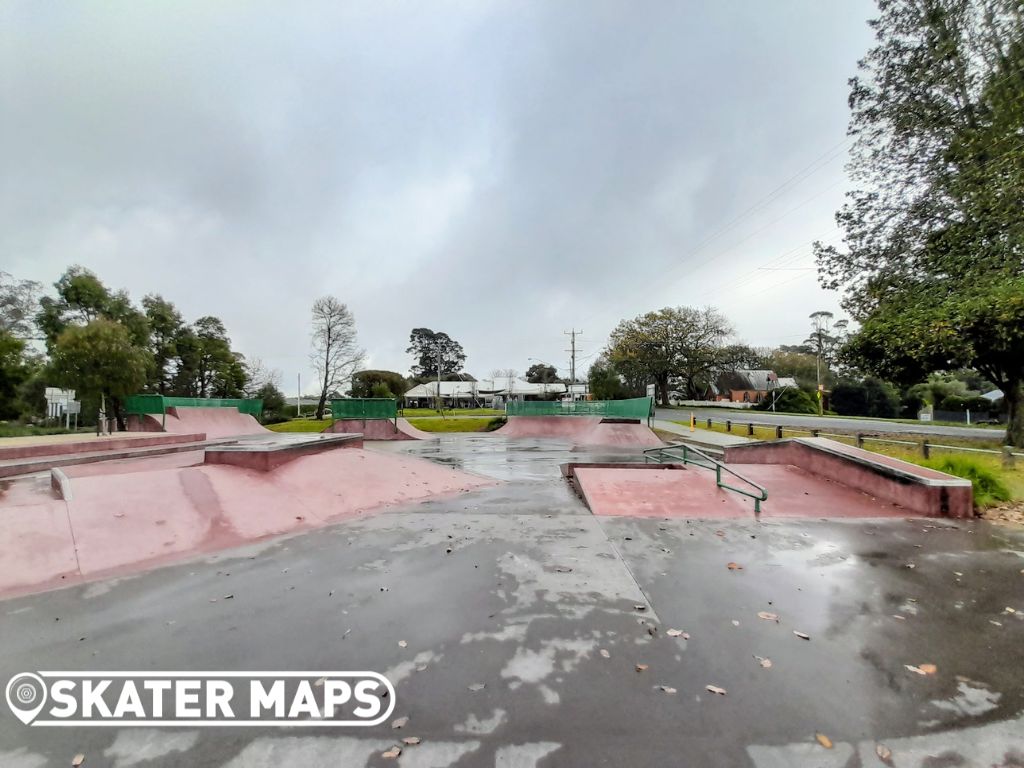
{"x":380,"y":429}
{"x":692,"y":493}
{"x":213,"y":422}
{"x":129,"y":518}
{"x":581,"y":430}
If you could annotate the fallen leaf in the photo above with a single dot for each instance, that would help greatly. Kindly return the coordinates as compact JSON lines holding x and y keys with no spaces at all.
{"x":715,"y":689}
{"x":412,"y":741}
{"x":897,"y":616}
{"x":402,"y":644}
{"x":400,"y":723}
{"x":392,"y":753}
{"x":677,"y":633}
{"x":639,"y":607}
{"x":605,"y":653}
{"x":768,"y":616}
{"x":641,"y":667}
{"x":734,"y":567}
{"x":77,"y":760}
{"x":666,"y":688}
{"x":735,"y":623}
{"x":824,"y":740}
{"x":928,"y":669}
{"x":884,"y":753}
{"x":477,"y":687}
{"x":319,"y":683}
{"x":766,"y":663}
{"x":802,"y":635}
{"x":916,"y":670}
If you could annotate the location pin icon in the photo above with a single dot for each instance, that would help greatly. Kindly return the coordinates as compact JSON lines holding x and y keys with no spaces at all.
{"x":26,"y":695}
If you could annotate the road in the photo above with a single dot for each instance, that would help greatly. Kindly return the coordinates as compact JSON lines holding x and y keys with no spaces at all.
{"x":512,"y":623}
{"x":826,"y":423}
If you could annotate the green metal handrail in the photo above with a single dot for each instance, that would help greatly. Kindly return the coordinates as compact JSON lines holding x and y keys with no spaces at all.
{"x":701,"y":459}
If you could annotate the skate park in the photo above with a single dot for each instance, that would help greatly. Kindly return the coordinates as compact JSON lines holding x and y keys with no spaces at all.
{"x":568,"y":566}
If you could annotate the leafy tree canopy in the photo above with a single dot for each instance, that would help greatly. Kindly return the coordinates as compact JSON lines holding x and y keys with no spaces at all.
{"x":428,"y":348}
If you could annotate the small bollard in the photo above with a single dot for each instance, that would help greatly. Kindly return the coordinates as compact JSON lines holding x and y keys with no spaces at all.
{"x":728,"y":425}
{"x":860,"y":439}
{"x":778,"y":433}
{"x":1008,"y":457}
{"x":709,"y":423}
{"x":925,"y":449}
{"x":814,"y":432}
{"x":750,"y":430}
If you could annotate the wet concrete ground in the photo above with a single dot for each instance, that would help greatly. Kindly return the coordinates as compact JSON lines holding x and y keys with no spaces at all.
{"x":532,"y":592}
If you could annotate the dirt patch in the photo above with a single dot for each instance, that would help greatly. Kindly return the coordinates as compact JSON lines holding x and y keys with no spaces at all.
{"x":1011,"y":513}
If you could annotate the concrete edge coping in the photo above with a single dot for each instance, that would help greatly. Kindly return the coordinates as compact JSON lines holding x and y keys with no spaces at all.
{"x":61,"y":483}
{"x":948,"y":481}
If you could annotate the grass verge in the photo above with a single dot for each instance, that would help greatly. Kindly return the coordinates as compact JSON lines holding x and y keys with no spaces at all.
{"x":14,"y":429}
{"x":416,"y":413}
{"x":301,"y":425}
{"x":483,"y":424}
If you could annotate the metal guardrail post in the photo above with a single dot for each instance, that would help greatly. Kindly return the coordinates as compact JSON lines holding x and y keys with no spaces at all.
{"x":815,"y":432}
{"x":709,"y":423}
{"x":1008,"y":458}
{"x":778,"y":433}
{"x":860,"y":439}
{"x":925,"y":449}
{"x":728,"y":425}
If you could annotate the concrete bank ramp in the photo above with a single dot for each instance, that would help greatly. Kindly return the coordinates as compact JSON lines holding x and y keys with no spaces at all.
{"x":215,"y":423}
{"x":138,"y":515}
{"x":582,"y":430}
{"x":380,"y":429}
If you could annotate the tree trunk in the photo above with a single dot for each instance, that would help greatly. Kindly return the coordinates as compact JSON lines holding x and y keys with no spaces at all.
{"x":115,"y":403}
{"x":663,"y":389}
{"x":320,"y":405}
{"x":1013,"y":396}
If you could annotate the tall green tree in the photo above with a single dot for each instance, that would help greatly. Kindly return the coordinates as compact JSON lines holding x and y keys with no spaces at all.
{"x":675,"y":342}
{"x":541,"y":373}
{"x":100,"y":358}
{"x":18,"y":306}
{"x":432,"y":348}
{"x":165,"y":324}
{"x":933,"y":263}
{"x":15,"y":370}
{"x":364,"y":383}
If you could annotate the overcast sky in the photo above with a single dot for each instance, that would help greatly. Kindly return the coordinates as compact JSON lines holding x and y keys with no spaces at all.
{"x":499,"y":171}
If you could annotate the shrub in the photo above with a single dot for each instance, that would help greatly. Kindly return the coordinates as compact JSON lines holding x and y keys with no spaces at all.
{"x":790,"y":401}
{"x":988,"y":487}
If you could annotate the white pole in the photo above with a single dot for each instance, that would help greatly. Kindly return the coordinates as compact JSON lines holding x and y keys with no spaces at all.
{"x":298,"y":398}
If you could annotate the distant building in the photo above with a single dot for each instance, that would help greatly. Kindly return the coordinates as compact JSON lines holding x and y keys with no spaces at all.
{"x":746,"y":386}
{"x":468,"y":394}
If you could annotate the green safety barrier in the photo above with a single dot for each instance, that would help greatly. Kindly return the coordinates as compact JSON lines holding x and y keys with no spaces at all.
{"x":365,"y":408}
{"x":158,"y":404}
{"x":636,"y":408}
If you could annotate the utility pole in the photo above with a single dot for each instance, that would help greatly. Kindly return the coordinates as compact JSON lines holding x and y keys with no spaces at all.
{"x":440,"y":402}
{"x":298,"y":397}
{"x":572,"y":358}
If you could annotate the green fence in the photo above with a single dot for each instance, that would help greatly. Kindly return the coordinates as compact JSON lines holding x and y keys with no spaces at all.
{"x":636,"y":408}
{"x":365,"y":408}
{"x":158,"y":404}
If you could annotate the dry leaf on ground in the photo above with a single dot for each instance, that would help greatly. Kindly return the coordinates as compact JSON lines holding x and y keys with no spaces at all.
{"x":412,"y":741}
{"x":605,"y":653}
{"x":641,"y":667}
{"x":766,"y":663}
{"x":802,"y":635}
{"x":392,"y":753}
{"x":734,"y":567}
{"x":824,"y":740}
{"x":715,"y":689}
{"x":400,"y":722}
{"x":768,"y":616}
